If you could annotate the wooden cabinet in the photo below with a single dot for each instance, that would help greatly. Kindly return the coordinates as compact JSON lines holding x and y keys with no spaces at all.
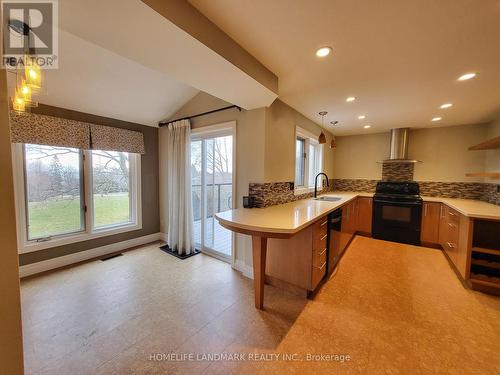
{"x":299,"y":263}
{"x":364,"y":217}
{"x":448,"y":232}
{"x":430,"y":222}
{"x":443,"y":225}
{"x":455,"y":233}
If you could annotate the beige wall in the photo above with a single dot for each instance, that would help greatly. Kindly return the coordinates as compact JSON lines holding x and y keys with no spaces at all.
{"x":11,"y":344}
{"x":443,"y":152}
{"x":281,"y":121}
{"x":493,"y":156}
{"x":357,"y":156}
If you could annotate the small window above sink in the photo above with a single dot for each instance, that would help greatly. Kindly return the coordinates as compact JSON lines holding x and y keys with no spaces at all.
{"x":328,"y":198}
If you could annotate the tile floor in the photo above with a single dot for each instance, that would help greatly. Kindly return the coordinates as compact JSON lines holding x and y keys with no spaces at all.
{"x":391,"y":308}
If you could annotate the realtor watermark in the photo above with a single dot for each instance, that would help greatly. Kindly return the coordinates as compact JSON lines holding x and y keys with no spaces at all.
{"x":30,"y":33}
{"x":255,"y":357}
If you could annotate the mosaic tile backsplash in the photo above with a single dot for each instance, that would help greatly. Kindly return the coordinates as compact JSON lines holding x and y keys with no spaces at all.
{"x":270,"y":194}
{"x":466,"y":190}
{"x":397,"y":171}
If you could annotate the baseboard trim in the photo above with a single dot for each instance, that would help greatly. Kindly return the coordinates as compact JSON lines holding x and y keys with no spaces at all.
{"x":66,"y":260}
{"x":163,"y":236}
{"x":247,"y":271}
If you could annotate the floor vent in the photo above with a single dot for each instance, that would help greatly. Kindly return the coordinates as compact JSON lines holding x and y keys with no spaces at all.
{"x":111,"y":257}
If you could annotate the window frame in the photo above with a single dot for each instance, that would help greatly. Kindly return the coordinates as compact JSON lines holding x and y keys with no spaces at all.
{"x":132,"y":193}
{"x":310,"y":139}
{"x":82,"y":198}
{"x":88,"y":232}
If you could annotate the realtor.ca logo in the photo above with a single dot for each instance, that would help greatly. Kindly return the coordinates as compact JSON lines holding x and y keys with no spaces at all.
{"x":29,"y":31}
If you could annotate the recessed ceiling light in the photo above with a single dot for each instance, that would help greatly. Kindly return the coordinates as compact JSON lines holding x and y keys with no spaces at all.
{"x":446,"y":105}
{"x":323,"y":51}
{"x":362,"y":117}
{"x":436,"y":119}
{"x":466,"y":76}
{"x":350,"y":99}
{"x":367,"y":126}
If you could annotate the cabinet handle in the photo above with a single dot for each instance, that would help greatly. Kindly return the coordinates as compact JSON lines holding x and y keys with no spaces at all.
{"x":425,"y":209}
{"x":322,"y":238}
{"x":441,"y":211}
{"x":322,"y":266}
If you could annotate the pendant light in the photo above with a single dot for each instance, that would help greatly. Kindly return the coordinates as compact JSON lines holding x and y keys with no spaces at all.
{"x":28,"y":82}
{"x":333,"y":143}
{"x":322,"y":137}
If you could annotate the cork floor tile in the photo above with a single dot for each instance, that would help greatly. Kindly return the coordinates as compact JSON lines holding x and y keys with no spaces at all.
{"x":388,"y":309}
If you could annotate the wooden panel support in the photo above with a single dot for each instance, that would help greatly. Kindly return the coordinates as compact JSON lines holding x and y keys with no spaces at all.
{"x":259,"y":249}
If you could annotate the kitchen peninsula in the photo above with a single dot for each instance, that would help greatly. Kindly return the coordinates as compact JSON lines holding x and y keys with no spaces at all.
{"x":289,"y":240}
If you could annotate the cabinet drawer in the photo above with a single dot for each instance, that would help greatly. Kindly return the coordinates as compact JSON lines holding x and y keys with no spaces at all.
{"x":452,"y":237}
{"x":453,"y":216}
{"x":319,"y":242}
{"x":320,"y":228}
{"x":318,"y":272}
{"x":319,"y":257}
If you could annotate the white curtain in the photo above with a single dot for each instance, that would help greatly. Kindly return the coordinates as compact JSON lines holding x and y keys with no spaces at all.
{"x":180,"y":209}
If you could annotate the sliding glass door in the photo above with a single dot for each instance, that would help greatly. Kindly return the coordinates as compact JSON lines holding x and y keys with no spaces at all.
{"x":212,"y":172}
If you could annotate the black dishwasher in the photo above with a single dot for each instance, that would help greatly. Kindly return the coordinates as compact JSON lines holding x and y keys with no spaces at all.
{"x":334,"y":227}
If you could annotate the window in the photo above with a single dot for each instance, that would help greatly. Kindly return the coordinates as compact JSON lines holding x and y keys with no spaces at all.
{"x":300,"y":158}
{"x":308,"y":160}
{"x":65,"y":195}
{"x":53,"y":185}
{"x":110,"y":188}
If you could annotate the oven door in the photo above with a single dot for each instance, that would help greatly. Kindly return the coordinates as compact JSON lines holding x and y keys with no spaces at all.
{"x":397,"y":221}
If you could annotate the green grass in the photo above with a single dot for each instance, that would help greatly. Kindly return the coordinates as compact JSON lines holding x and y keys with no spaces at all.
{"x":63,"y":216}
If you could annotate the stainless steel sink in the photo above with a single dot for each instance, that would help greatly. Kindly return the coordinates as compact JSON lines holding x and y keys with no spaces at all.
{"x":328,"y":198}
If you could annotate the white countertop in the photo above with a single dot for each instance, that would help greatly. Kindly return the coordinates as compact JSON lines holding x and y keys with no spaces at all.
{"x":469,"y":207}
{"x":289,"y":218}
{"x":285,"y":218}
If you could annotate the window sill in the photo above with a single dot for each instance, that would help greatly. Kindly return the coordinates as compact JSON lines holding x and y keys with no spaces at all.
{"x":31,"y":246}
{"x":304,"y":190}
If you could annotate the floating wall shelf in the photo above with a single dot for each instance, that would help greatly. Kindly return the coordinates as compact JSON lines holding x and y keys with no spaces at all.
{"x":490,"y":144}
{"x":484,"y":174}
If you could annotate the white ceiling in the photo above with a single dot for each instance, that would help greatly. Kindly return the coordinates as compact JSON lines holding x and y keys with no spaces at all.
{"x":133,"y":30}
{"x":94,"y":80}
{"x":399,"y":58}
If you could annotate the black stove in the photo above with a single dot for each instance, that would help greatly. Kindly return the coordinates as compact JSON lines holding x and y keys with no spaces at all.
{"x":397,"y":212}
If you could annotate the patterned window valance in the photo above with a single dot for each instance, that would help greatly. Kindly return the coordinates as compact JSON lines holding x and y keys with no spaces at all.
{"x":48,"y":130}
{"x":116,"y":139}
{"x":56,"y":131}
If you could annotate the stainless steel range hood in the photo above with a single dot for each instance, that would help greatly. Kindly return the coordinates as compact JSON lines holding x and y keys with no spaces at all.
{"x":399,"y":147}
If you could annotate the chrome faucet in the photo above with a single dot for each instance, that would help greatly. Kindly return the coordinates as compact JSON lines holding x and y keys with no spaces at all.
{"x":316,"y":183}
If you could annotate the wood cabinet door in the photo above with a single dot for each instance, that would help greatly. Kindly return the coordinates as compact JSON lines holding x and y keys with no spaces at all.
{"x":430,"y":222}
{"x":364,"y":219}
